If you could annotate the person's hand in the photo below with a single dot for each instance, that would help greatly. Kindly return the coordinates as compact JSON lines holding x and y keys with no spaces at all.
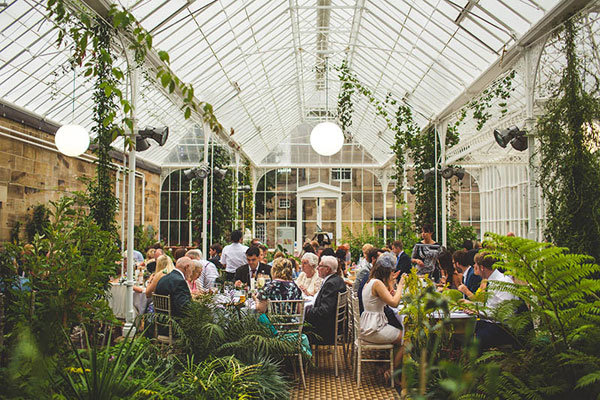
{"x":463,"y":289}
{"x":420,"y":263}
{"x":395,"y":276}
{"x":238,"y":284}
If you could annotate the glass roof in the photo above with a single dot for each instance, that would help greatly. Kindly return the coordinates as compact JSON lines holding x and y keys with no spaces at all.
{"x":258,"y":63}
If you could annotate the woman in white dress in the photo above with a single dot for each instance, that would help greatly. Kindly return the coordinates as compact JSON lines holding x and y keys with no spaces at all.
{"x":379,"y":291}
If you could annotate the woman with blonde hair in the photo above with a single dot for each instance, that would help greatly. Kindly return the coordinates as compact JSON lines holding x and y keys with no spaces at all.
{"x":281,"y":287}
{"x":164,"y":266}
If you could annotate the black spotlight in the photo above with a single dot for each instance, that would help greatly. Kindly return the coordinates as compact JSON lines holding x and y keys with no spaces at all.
{"x":220,"y":172}
{"x":141,"y":144}
{"x":449,"y":172}
{"x":159,"y":135}
{"x":200,"y":172}
{"x":512,"y":135}
{"x":459,"y":173}
{"x":428,"y":173}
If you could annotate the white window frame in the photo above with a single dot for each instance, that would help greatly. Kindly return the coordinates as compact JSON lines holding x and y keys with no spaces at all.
{"x":337,"y":174}
{"x":285,"y":201}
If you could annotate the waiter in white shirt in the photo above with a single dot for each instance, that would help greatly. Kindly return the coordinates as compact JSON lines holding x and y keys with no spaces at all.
{"x":234,"y":255}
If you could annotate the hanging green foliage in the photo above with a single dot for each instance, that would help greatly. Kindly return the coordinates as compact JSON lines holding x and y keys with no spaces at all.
{"x":248,"y":198}
{"x":103,"y":203}
{"x":397,"y":116}
{"x":219,"y":197}
{"x":570,"y":169}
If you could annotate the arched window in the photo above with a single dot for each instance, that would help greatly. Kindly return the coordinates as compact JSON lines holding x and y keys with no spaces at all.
{"x":175,"y":218}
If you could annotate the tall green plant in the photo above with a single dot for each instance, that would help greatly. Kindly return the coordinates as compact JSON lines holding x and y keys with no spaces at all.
{"x":37,"y":222}
{"x":569,"y":167}
{"x":69,"y":269}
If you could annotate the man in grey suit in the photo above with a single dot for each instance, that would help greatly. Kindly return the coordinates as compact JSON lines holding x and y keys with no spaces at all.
{"x":175,"y":284}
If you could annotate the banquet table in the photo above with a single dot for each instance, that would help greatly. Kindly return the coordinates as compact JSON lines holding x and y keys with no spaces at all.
{"x":116,"y":300}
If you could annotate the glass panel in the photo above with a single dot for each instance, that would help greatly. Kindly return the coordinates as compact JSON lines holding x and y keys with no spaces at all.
{"x":164,"y":206}
{"x":174,"y":233}
{"x":174,"y":206}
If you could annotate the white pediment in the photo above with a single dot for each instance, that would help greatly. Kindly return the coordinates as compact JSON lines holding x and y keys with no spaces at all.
{"x":319,"y":190}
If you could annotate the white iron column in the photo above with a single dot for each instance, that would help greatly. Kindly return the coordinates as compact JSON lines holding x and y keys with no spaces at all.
{"x":441,"y":132}
{"x":129,"y":312}
{"x":206,"y":132}
{"x":532,"y":56}
{"x":338,"y":220}
{"x":298,"y":224}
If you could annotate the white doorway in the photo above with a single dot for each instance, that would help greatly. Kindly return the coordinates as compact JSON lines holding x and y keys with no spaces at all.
{"x":319,"y":207}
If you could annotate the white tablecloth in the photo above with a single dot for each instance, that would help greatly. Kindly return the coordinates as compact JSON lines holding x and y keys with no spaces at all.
{"x":116,"y":300}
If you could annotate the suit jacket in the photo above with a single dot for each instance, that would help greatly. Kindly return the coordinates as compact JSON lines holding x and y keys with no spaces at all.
{"x":404,"y":264}
{"x":243,"y":272}
{"x":322,"y":315}
{"x":175,"y":285}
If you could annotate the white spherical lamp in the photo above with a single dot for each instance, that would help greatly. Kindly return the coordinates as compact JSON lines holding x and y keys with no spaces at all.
{"x":72,"y":140}
{"x":327,"y":138}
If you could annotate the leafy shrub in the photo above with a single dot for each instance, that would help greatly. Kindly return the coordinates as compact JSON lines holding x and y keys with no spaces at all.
{"x":69,"y":269}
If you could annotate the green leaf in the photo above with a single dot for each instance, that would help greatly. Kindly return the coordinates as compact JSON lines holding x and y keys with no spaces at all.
{"x":165,"y":79}
{"x":171,"y":86}
{"x":188,"y":113}
{"x":164,"y":56}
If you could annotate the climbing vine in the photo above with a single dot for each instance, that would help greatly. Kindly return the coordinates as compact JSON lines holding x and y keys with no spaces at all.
{"x":397,"y":116}
{"x":248,"y":198}
{"x":220,"y":192}
{"x":569,"y":167}
{"x":92,"y":43}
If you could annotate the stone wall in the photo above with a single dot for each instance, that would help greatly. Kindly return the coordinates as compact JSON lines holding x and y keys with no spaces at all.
{"x":32,"y":172}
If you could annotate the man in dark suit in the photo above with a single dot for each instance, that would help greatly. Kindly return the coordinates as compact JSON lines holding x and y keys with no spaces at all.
{"x":403,"y":262}
{"x":175,"y":284}
{"x":321,"y":316}
{"x":252,"y":269}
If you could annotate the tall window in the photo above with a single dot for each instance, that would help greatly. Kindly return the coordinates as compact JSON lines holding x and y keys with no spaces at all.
{"x":175,"y":221}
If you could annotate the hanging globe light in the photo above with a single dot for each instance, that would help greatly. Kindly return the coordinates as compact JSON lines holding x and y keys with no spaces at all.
{"x":72,"y":140}
{"x":327,"y":138}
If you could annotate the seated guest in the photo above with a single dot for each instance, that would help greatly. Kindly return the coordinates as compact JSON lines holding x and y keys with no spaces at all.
{"x":164,"y":266}
{"x":175,"y":285}
{"x":376,"y":295}
{"x":470,"y":281}
{"x":449,"y":275}
{"x":340,"y":254}
{"x":491,"y":333}
{"x":363,"y":262}
{"x":214,"y":253}
{"x":255,"y":242}
{"x":309,"y":281}
{"x":251,"y":270}
{"x":179,"y":252}
{"x":425,"y":253}
{"x":321,"y":316}
{"x":404,"y":264}
{"x":151,"y":266}
{"x":196,"y":271}
{"x":295,"y":268}
{"x":149,"y":255}
{"x":208,"y":277}
{"x":315,"y":246}
{"x":263,"y":253}
{"x":277,"y":255}
{"x":208,"y":274}
{"x":307,"y":248}
{"x":363,"y":275}
{"x":280,"y":288}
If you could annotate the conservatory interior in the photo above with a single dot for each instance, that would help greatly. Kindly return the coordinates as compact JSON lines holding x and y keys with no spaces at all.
{"x":392,"y":199}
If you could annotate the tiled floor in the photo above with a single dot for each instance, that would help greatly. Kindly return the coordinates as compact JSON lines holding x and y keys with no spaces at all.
{"x":321,"y":383}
